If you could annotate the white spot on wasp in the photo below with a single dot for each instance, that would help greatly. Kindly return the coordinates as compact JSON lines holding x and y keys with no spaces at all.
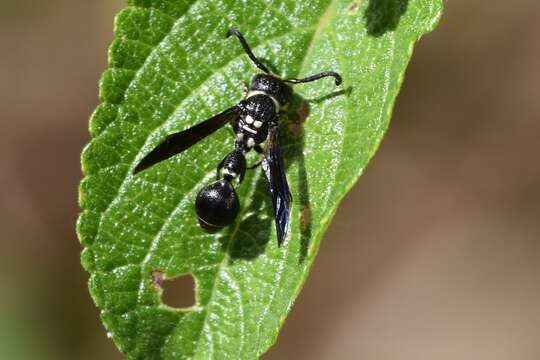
{"x":250,"y":142}
{"x":258,"y":92}
{"x":257,"y":123}
{"x":248,"y":129}
{"x":228,"y":172}
{"x":249,"y":119}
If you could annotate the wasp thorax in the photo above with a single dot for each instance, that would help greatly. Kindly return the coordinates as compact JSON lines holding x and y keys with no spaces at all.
{"x":217,"y":204}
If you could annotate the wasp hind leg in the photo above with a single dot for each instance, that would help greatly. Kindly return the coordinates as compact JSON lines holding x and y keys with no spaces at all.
{"x":259,"y":150}
{"x":254,"y":166}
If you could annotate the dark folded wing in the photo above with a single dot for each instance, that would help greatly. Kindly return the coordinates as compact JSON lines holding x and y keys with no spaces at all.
{"x":176,"y":143}
{"x":279,"y":188}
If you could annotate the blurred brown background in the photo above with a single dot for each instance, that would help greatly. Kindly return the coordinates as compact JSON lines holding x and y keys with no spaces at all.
{"x":433,"y":255}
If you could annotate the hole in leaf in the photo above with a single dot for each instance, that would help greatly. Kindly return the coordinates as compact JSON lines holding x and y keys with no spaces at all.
{"x":178,"y":292}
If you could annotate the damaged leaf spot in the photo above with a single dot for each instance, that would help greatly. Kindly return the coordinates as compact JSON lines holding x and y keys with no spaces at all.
{"x":178,"y":292}
{"x":353,"y":7}
{"x":157,"y":279}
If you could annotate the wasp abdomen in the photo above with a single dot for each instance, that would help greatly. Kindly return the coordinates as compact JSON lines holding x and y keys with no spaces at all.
{"x":217,"y":204}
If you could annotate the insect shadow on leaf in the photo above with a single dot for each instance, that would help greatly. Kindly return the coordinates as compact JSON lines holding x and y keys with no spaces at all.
{"x":343,"y":92}
{"x":255,"y":230}
{"x":297,"y":119}
{"x":384,"y":15}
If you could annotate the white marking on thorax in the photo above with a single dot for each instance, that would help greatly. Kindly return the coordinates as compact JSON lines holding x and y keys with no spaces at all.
{"x":250,"y":142}
{"x":258,"y":92}
{"x":248,"y":129}
{"x":227,"y":172}
{"x":249,"y":119}
{"x":257,"y":123}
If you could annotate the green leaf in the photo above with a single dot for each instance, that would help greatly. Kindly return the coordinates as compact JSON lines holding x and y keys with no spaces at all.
{"x":171,"y":67}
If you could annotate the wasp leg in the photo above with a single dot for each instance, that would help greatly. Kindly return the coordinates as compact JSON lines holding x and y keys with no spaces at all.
{"x":259,"y":150}
{"x":256,"y":165}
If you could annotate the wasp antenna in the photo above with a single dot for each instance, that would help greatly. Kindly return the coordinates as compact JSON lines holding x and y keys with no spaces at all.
{"x":247,"y":49}
{"x":333,"y":74}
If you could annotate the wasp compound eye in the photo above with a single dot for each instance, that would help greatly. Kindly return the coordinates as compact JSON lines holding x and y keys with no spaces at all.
{"x":217,"y":205}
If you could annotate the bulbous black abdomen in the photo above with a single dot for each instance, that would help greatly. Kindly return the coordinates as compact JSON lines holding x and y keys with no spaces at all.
{"x":217,"y":204}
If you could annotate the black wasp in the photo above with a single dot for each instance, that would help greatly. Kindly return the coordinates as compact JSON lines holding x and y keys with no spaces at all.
{"x":255,"y":121}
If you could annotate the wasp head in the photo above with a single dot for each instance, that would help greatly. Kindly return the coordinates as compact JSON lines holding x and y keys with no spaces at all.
{"x":272,"y":86}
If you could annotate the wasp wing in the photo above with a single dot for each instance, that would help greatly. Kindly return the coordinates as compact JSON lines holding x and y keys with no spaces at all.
{"x":178,"y":142}
{"x":279,"y":188}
